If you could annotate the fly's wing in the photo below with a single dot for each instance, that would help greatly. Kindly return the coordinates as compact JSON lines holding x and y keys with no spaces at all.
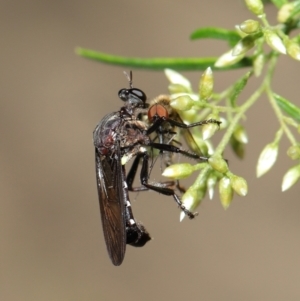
{"x":189,"y":139}
{"x":110,"y":177}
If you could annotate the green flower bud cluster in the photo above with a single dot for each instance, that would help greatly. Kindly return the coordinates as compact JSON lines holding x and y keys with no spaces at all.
{"x":187,"y":104}
{"x":204,"y":106}
{"x":255,"y":32}
{"x":207,"y":180}
{"x":229,"y":183}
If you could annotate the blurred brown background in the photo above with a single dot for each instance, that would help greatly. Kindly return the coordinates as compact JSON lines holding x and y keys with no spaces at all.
{"x":52,"y":245}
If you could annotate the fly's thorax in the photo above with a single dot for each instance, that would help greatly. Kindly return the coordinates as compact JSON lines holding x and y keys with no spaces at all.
{"x":106,"y":133}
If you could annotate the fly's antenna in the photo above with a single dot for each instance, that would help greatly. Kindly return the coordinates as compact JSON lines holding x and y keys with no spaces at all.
{"x":129,"y":78}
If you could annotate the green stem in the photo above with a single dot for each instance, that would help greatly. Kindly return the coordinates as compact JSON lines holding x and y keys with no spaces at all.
{"x":251,"y":100}
{"x":201,"y":178}
{"x":280,"y":116}
{"x":222,"y":95}
{"x":274,"y":104}
{"x":264,"y":20}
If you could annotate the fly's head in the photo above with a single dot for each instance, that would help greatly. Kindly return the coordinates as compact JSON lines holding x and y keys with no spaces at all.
{"x":134,"y":98}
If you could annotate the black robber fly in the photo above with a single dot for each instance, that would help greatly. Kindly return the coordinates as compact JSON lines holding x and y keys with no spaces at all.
{"x":119,"y":137}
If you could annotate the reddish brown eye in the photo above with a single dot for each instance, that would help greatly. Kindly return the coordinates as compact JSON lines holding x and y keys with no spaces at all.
{"x":156,"y":111}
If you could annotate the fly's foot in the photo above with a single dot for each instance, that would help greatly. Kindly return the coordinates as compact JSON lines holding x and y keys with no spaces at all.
{"x":190,"y":214}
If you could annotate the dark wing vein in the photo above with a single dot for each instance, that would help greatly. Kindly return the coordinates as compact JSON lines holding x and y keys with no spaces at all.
{"x":111,"y":199}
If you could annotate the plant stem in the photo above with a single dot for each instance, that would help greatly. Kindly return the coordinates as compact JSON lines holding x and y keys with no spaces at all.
{"x":279,"y":116}
{"x":251,"y":100}
{"x":236,"y":118}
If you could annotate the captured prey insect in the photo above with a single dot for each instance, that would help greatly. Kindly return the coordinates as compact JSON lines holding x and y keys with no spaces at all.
{"x":118,"y":137}
{"x":160,"y":108}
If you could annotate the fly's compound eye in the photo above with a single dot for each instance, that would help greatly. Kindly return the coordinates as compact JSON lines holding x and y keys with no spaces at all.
{"x":123,"y":94}
{"x":138,"y":93}
{"x":157,"y":111}
{"x":133,"y":96}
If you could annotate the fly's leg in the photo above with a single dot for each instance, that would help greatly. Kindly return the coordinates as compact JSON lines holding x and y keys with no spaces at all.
{"x":158,"y":188}
{"x":133,"y":171}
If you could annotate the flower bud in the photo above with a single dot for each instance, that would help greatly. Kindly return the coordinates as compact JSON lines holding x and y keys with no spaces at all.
{"x":294,"y":152}
{"x":177,"y":88}
{"x":224,"y":123}
{"x":267,"y":159}
{"x":176,"y":78}
{"x":210,"y":128}
{"x":206,"y":84}
{"x":292,"y":48}
{"x":226,"y":192}
{"x":218,"y":164}
{"x":194,"y":195}
{"x":249,"y":26}
{"x":237,"y":147}
{"x":178,"y":171}
{"x":182,"y":103}
{"x":258,"y":64}
{"x":189,"y":116}
{"x":211,"y":183}
{"x":255,"y":6}
{"x":274,"y":41}
{"x":240,"y":134}
{"x":240,"y":32}
{"x":192,"y":199}
{"x":228,"y":59}
{"x":290,"y":178}
{"x":239,"y":185}
{"x":243,"y":46}
{"x":285,"y":12}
